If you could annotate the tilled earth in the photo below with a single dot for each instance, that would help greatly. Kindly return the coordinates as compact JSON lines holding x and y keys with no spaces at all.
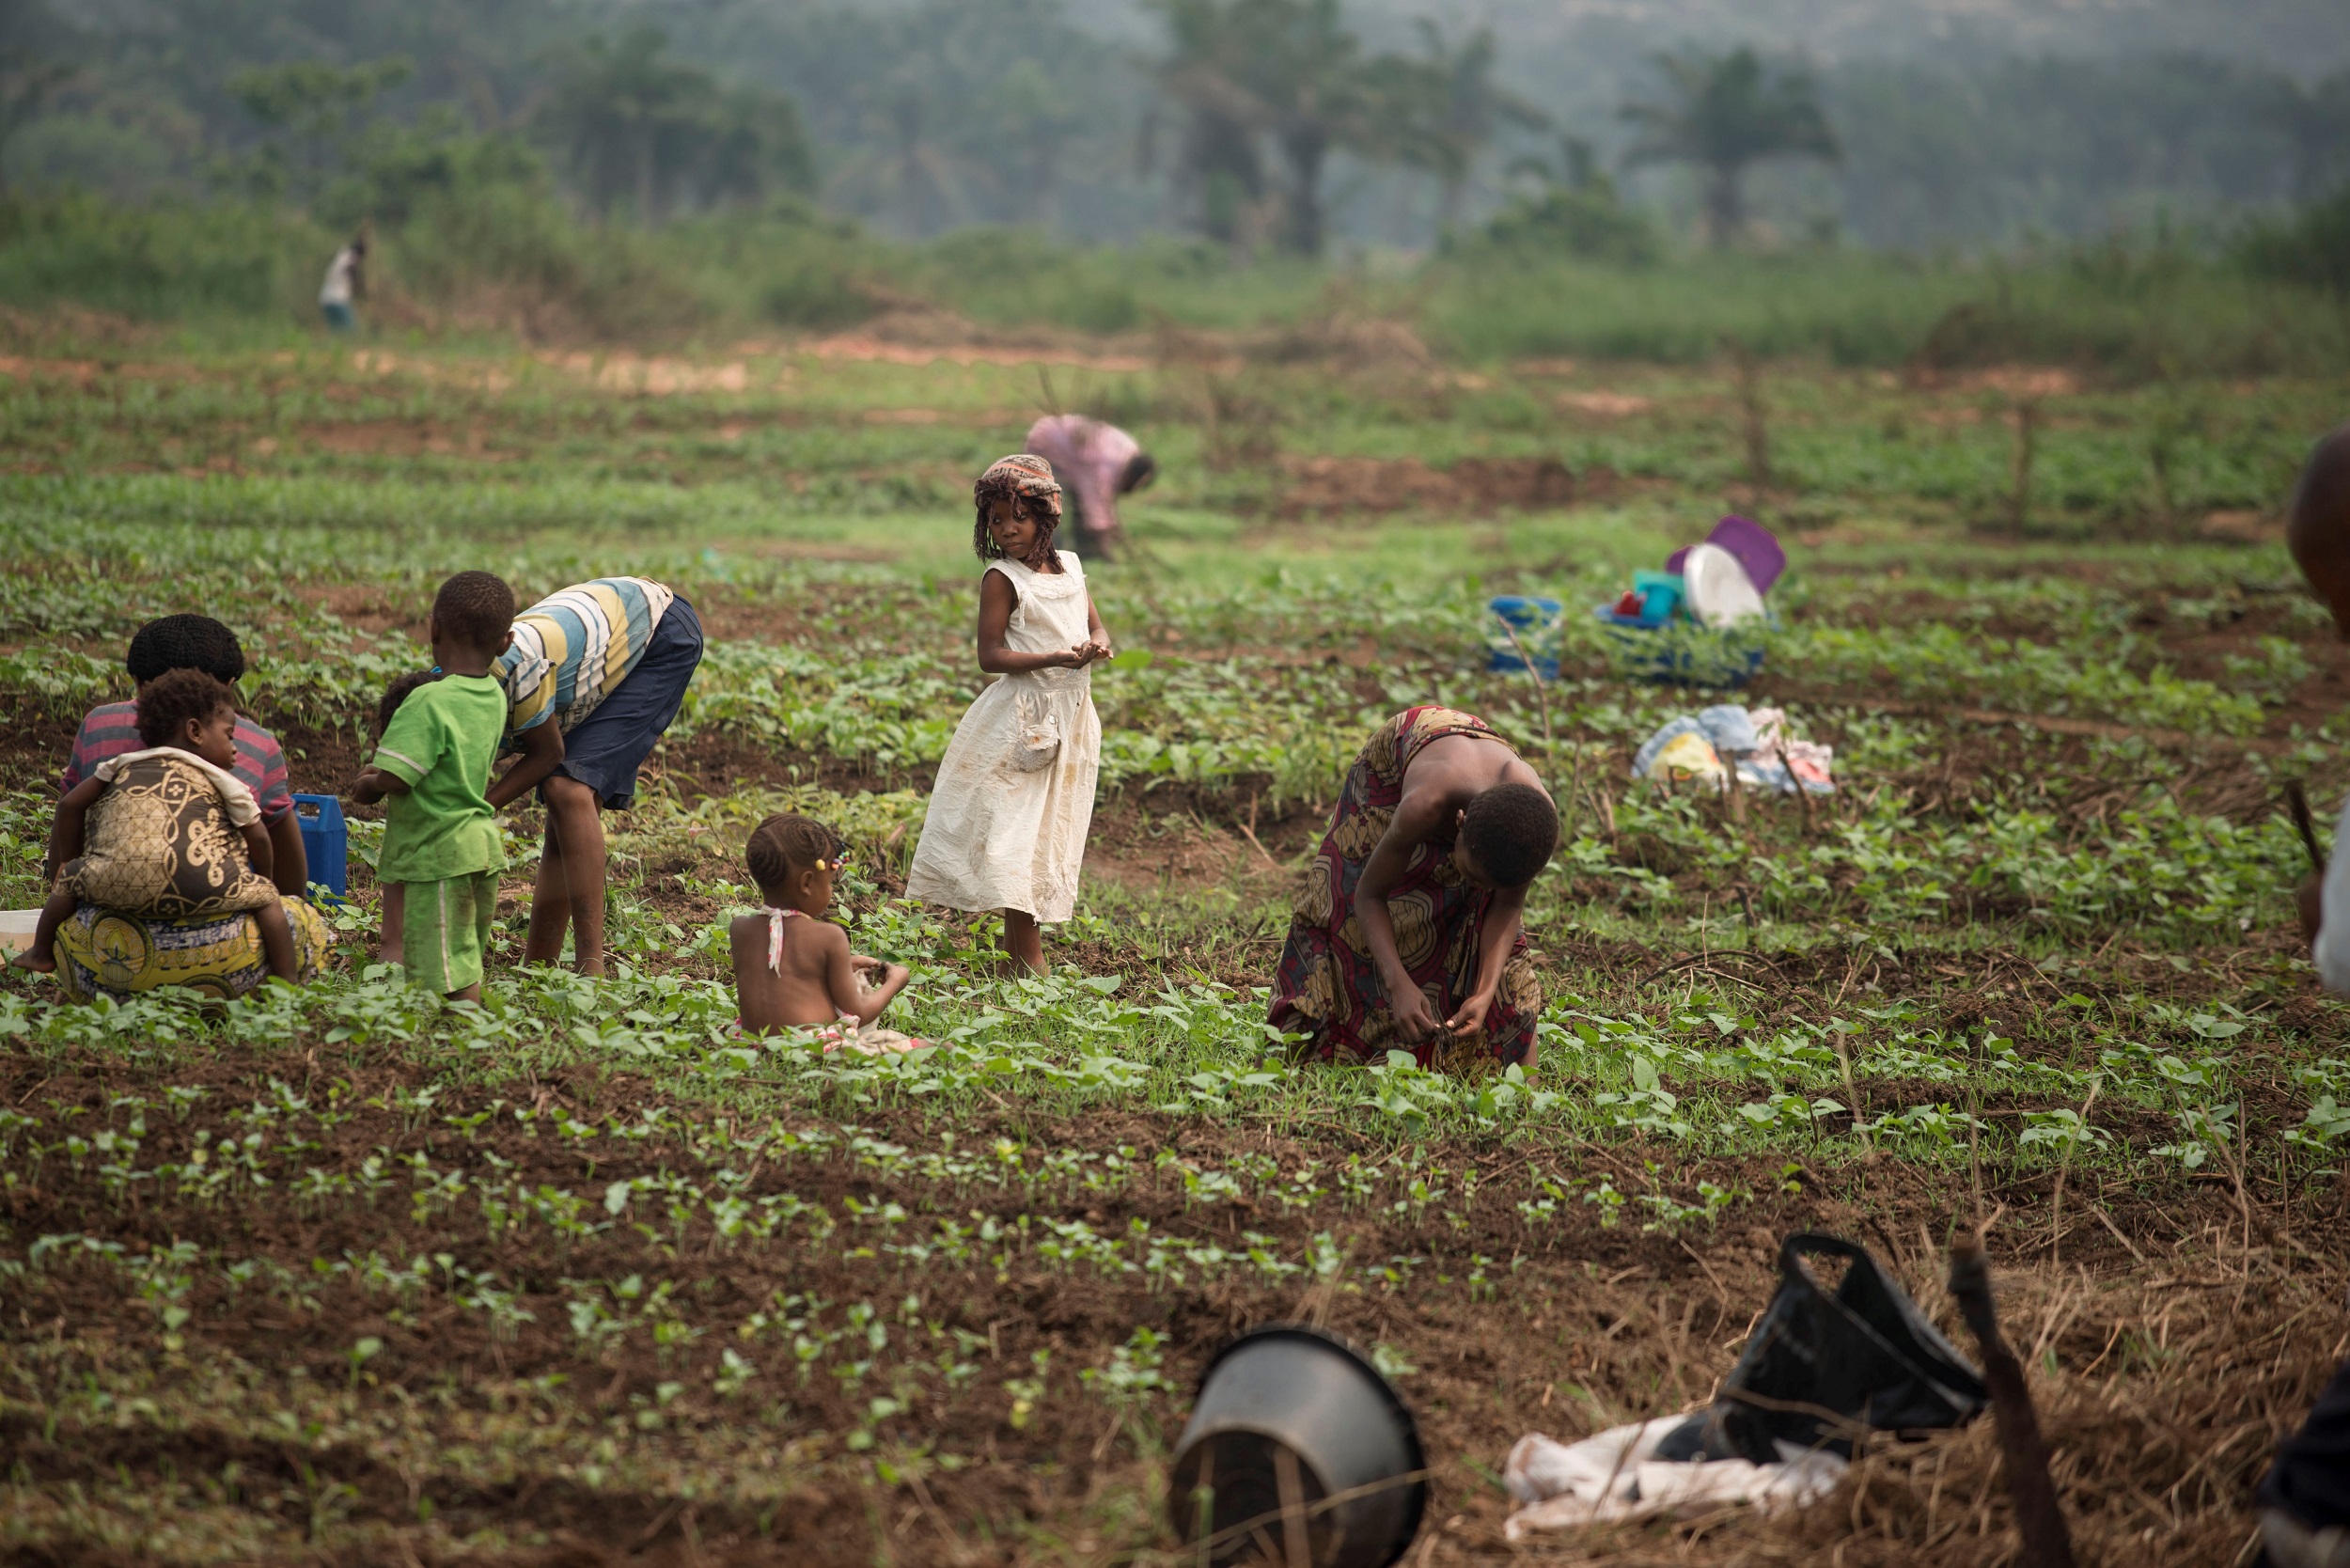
{"x":404,"y":1331}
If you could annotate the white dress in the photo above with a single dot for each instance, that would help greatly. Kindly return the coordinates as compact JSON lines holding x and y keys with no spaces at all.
{"x":1000,"y":836}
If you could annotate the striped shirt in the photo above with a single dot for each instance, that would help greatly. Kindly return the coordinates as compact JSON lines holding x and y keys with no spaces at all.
{"x":113,"y":731}
{"x":571,"y":649}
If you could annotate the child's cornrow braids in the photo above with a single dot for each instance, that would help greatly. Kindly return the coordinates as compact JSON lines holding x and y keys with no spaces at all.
{"x":787,"y":843}
{"x":397,"y":693}
{"x":1026,"y":481}
{"x":173,"y":699}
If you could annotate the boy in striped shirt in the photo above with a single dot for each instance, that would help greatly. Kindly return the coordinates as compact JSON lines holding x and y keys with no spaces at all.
{"x":596,"y":674}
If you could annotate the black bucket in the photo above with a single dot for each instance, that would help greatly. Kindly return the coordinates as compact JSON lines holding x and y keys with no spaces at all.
{"x":1288,"y":1416}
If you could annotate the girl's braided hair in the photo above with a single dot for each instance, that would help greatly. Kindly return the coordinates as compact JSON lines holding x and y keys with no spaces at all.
{"x":785,"y":843}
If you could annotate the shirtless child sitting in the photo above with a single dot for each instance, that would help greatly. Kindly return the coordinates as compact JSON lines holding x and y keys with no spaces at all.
{"x":792,"y":968}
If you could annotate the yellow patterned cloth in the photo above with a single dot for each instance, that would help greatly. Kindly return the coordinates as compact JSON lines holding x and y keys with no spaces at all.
{"x":100,"y":950}
{"x":1328,"y":989}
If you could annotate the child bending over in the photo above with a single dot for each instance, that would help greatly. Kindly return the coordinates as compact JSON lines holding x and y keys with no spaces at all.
{"x":167,"y":832}
{"x":792,"y":968}
{"x":441,"y":842}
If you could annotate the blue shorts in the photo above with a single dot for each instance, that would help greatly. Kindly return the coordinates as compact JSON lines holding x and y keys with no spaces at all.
{"x":339,"y":316}
{"x":604,"y":749}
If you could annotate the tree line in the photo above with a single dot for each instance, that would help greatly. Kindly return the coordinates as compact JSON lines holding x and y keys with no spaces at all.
{"x":1250,"y":122}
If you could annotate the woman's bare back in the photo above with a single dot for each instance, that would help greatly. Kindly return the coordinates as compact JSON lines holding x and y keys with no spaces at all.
{"x":1449,"y":772}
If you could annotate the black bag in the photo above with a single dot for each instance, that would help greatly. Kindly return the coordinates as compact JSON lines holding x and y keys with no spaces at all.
{"x":1819,"y":1365}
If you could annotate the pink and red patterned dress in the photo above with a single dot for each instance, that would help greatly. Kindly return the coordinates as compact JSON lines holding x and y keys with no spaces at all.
{"x":1327,"y":987}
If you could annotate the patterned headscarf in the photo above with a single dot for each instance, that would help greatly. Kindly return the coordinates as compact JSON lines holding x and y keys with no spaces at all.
{"x":1024,"y":475}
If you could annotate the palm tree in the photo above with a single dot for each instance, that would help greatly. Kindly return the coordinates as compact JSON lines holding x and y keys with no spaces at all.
{"x":2316,"y":120}
{"x":27,"y":83}
{"x":1725,"y":114}
{"x":1288,"y":71}
{"x":634,"y":123}
{"x":615,"y":109}
{"x":1469,"y":111}
{"x":910,"y":172}
{"x":1030,"y":119}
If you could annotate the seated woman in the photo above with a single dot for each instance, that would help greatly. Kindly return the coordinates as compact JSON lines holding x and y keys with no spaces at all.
{"x":163,"y":863}
{"x":1405,"y":931}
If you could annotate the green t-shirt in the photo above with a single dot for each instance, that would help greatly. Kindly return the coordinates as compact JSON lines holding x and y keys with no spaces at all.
{"x":441,"y":745}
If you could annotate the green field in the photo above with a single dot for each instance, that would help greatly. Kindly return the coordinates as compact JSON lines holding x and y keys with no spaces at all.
{"x":339,"y":1276}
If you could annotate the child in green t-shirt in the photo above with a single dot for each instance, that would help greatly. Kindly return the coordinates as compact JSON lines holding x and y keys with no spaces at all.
{"x":441,"y":840}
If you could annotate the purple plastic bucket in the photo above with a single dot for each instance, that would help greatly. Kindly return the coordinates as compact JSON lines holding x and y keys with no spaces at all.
{"x":1756,"y":547}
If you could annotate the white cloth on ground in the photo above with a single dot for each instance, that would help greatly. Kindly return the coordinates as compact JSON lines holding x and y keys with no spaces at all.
{"x":2331,"y":952}
{"x":1616,"y":1475}
{"x":999,"y":836}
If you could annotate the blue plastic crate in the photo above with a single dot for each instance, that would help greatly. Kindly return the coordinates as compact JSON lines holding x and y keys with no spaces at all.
{"x":326,"y":842}
{"x":1682,"y":656}
{"x":1536,"y":622}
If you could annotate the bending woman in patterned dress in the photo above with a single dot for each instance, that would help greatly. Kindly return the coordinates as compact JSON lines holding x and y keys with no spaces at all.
{"x":1405,"y":931}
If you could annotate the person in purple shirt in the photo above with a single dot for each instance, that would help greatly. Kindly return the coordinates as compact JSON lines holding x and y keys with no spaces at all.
{"x":112,"y":730}
{"x":1096,"y":463}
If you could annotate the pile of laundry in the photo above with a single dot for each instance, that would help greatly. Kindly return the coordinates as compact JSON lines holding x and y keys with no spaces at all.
{"x":1705,"y":745}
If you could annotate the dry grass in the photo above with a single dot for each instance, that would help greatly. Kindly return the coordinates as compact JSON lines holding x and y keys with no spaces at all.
{"x":2163,"y":1396}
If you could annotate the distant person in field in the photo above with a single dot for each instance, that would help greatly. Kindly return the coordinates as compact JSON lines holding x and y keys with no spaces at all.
{"x":1406,"y":930}
{"x":2318,"y":533}
{"x":439,"y":738}
{"x":166,"y":833}
{"x":1014,"y":795}
{"x":793,"y":968}
{"x":112,"y":730}
{"x":1096,"y":464}
{"x":346,"y":283}
{"x":595,"y":676}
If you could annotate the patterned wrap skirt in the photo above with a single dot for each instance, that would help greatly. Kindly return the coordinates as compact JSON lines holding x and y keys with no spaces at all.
{"x":1327,"y":987}
{"x":103,"y":952}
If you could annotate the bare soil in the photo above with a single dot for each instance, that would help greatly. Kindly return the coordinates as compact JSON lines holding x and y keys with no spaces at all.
{"x":1330,"y":486}
{"x":1585,"y":1322}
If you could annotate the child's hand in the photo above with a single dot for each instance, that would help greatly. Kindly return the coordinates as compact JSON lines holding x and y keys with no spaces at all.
{"x":1101,"y":648}
{"x":373,"y":784}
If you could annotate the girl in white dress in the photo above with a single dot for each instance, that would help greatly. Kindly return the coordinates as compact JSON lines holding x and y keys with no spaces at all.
{"x":1014,"y":796}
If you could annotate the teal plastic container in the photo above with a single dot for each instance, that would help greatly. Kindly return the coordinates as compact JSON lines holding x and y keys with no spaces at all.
{"x":1660,"y":595}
